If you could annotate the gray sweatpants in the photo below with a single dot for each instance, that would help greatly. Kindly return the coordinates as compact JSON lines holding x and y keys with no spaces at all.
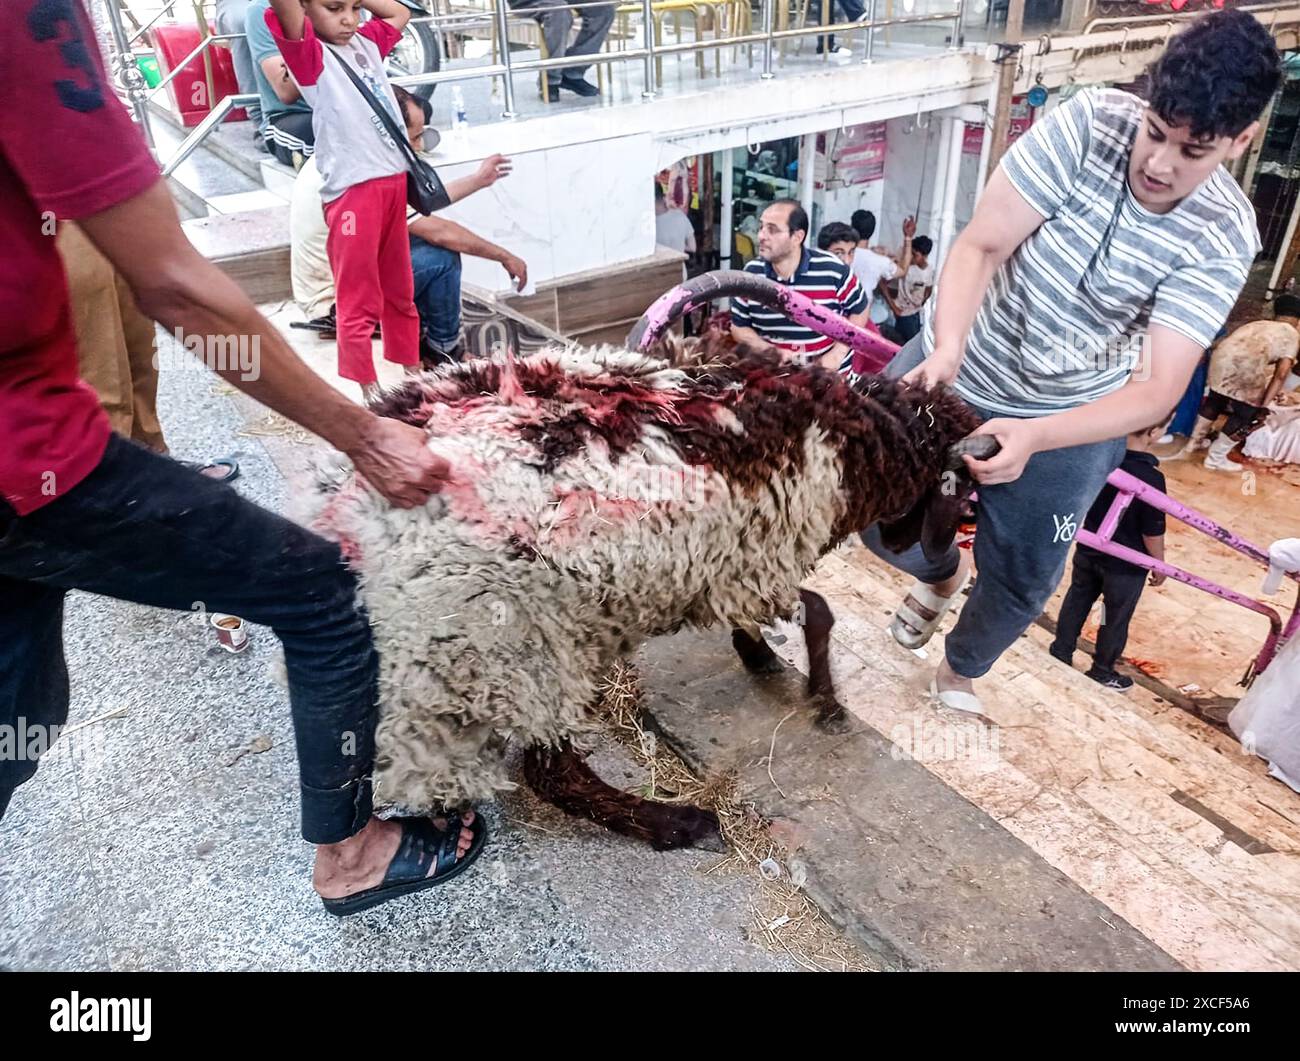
{"x":557,"y":23}
{"x":1022,"y":539}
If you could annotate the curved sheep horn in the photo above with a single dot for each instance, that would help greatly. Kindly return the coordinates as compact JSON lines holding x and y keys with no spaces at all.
{"x":728,"y":283}
{"x":981,"y":447}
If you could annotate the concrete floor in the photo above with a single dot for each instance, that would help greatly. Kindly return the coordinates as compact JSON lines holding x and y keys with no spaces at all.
{"x":147,"y":842}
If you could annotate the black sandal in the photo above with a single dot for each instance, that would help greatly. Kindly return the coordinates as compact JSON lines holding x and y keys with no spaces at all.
{"x":423,"y":844}
{"x":229,"y":463}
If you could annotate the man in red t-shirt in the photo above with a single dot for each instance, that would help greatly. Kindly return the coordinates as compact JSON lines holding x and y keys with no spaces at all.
{"x":81,"y":508}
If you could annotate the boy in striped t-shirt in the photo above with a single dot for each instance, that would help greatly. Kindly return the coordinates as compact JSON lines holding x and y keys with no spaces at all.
{"x":1104,"y":255}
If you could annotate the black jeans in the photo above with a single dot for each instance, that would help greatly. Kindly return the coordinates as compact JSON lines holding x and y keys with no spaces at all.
{"x":143,"y":528}
{"x":1242,"y":416}
{"x":1119,"y":588}
{"x":908,"y":327}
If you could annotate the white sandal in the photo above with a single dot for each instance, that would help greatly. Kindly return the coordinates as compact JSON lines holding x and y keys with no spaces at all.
{"x":956,"y":700}
{"x":918,"y":617}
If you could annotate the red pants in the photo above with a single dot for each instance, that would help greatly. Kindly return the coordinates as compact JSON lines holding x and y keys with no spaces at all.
{"x":370,"y":255}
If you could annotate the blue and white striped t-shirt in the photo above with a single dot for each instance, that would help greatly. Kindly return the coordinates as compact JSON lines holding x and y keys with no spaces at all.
{"x":1063,"y":321}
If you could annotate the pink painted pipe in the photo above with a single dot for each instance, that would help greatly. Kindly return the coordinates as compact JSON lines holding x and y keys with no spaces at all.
{"x":872,"y":352}
{"x":1128,"y":488}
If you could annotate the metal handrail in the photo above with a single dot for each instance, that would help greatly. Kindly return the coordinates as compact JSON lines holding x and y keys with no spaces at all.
{"x":149,"y":25}
{"x":499,"y":17}
{"x":203,"y":46}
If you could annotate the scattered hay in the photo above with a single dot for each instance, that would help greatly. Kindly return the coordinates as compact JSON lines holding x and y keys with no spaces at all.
{"x":783,"y":918}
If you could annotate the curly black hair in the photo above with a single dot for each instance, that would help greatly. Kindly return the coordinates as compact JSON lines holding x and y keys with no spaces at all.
{"x":1217,"y":76}
{"x":836,"y":232}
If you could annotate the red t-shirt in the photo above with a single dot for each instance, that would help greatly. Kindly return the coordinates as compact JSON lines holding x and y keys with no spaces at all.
{"x":67,"y":150}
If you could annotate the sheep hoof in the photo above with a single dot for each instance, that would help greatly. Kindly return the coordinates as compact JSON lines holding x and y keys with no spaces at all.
{"x":757,"y":656}
{"x":831,"y":715}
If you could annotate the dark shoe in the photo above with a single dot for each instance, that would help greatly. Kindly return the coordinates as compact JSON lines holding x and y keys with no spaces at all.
{"x":423,"y":845}
{"x":432,"y":357}
{"x":579,"y":87}
{"x":1119,"y":682}
{"x":1065,"y":657}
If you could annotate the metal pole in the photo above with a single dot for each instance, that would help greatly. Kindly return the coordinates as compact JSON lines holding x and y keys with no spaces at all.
{"x":508,"y":78}
{"x":648,"y":35}
{"x":958,"y":39}
{"x":126,"y":73}
{"x":767,"y":42}
{"x":1006,"y":83}
{"x":728,"y":215}
{"x":871,"y":33}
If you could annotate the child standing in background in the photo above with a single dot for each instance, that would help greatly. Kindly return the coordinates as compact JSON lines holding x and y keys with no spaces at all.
{"x":1118,"y":583}
{"x":363,"y":172}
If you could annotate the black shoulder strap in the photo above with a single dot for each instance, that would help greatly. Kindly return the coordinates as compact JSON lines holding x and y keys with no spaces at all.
{"x":399,"y":135}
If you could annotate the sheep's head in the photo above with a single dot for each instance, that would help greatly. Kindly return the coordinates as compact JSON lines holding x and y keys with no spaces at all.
{"x":935,"y":515}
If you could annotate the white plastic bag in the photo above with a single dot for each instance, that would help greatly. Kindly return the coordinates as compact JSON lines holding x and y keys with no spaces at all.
{"x":1267,"y":719}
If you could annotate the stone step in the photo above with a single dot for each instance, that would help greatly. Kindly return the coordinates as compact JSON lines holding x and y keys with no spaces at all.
{"x":912,"y":871}
{"x":251,"y":247}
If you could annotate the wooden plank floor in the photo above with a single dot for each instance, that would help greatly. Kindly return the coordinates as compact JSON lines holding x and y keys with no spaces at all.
{"x":1148,"y":809}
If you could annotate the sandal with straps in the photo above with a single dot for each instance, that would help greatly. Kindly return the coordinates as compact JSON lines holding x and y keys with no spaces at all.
{"x":423,"y":845}
{"x":919,"y":615}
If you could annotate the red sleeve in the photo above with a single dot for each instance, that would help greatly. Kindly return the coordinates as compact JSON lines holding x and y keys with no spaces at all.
{"x":305,"y":58}
{"x":384,"y":36}
{"x":62,"y":130}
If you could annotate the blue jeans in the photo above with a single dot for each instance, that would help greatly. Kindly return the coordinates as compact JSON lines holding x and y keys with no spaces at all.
{"x":1023,"y":534}
{"x":143,"y":528}
{"x":437,"y":293}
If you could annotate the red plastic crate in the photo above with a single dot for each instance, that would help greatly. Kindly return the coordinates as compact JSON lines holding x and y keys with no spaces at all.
{"x":189,"y":89}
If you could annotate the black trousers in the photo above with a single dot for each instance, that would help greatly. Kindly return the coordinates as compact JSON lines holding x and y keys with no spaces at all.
{"x":1119,"y":589}
{"x":1242,"y":416}
{"x":144,"y":528}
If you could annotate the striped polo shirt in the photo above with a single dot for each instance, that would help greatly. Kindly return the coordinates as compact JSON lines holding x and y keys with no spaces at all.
{"x":1064,"y":319}
{"x":821,"y":277}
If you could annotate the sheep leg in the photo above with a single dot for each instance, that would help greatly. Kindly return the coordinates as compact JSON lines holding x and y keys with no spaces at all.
{"x":755,"y":653}
{"x":562,"y":778}
{"x":818,"y":620}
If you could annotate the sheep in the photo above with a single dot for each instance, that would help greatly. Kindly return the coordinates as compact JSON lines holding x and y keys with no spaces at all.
{"x":600,"y":498}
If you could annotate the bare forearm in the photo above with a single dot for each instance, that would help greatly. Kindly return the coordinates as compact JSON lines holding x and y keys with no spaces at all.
{"x":291,"y":17}
{"x":395,"y":14}
{"x":966,"y":277}
{"x":1132,"y":407}
{"x":443,"y":233}
{"x":747,"y":335}
{"x":463,"y":186}
{"x":904,"y":258}
{"x":1275,"y":385}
